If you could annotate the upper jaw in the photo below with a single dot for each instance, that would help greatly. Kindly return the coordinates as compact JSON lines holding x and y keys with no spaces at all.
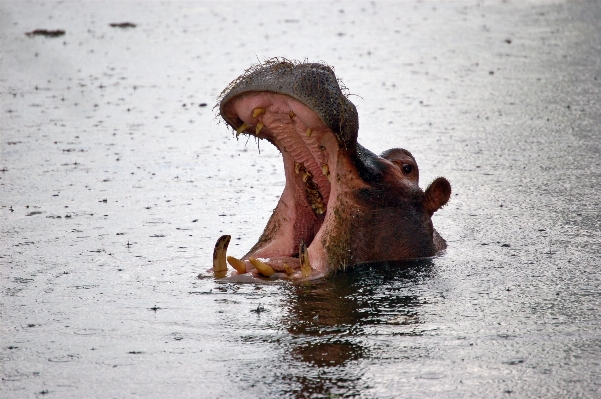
{"x":308,"y":146}
{"x":313,"y":84}
{"x":309,"y":150}
{"x":302,"y":110}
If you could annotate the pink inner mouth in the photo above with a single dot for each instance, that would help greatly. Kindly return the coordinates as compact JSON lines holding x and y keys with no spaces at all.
{"x":310,"y":150}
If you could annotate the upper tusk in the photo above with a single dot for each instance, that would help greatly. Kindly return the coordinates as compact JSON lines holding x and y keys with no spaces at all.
{"x":258,"y":111}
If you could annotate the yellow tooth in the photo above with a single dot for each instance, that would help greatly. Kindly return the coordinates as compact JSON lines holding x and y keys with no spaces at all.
{"x":326,"y":170}
{"x":219,"y":265}
{"x":319,"y":210}
{"x":288,"y":269}
{"x":241,"y":128}
{"x":309,"y":132}
{"x":307,"y":175}
{"x":258,"y":111}
{"x":258,"y":128}
{"x":263,"y":268}
{"x":303,"y":254}
{"x":291,"y":114}
{"x":237,"y":264}
{"x":298,"y":167}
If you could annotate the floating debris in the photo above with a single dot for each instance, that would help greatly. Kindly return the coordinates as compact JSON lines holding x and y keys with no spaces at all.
{"x":123,"y":25}
{"x":46,"y":33}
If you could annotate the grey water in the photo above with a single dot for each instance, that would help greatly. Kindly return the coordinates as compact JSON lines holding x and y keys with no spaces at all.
{"x":116,"y":179}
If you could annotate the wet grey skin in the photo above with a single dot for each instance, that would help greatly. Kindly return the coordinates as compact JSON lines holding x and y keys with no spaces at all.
{"x":313,"y":84}
{"x":370,"y":209}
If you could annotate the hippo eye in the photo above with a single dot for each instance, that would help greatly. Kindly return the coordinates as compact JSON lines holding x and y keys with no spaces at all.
{"x":407,"y":169}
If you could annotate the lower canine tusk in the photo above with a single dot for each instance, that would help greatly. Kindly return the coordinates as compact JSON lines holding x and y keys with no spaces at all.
{"x":242,"y":128}
{"x":237,"y":264}
{"x":303,"y":254}
{"x":263,"y":268}
{"x":219,"y":265}
{"x":258,"y":128}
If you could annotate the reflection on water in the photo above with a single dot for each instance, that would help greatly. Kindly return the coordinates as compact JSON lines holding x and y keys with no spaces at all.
{"x":328,"y":322}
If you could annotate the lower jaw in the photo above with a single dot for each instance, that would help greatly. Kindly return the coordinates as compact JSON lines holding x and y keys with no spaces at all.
{"x":302,"y":218}
{"x":309,"y":190}
{"x":286,"y":267}
{"x":283,"y":267}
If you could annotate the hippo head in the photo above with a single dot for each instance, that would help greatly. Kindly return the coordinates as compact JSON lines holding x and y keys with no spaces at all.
{"x":342,"y":205}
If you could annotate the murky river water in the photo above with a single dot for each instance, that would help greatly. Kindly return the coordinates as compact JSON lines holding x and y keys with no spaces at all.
{"x":116,"y":179}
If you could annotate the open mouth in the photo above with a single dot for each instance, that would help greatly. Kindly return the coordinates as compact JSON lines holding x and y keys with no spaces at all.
{"x":301,"y":109}
{"x":309,"y":151}
{"x":342,"y":204}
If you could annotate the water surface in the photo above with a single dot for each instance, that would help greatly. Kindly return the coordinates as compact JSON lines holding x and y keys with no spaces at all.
{"x":116,"y":179}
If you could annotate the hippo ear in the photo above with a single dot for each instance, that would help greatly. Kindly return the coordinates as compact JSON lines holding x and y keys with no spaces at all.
{"x":437,"y":195}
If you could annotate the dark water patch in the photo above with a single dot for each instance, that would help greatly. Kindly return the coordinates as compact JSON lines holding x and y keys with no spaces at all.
{"x":514,"y":362}
{"x":332,"y":353}
{"x":64,"y":359}
{"x":46,"y":33}
{"x":88,"y":331}
{"x":85,"y":286}
{"x":24,"y":243}
{"x":15,"y":376}
{"x":122,"y":25}
{"x":23,"y":280}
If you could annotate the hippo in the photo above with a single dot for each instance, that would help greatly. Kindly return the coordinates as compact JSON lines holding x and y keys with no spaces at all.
{"x":342,"y":205}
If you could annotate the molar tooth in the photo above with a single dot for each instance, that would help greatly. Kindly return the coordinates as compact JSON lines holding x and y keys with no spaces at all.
{"x":303,"y":255}
{"x":219,"y":265}
{"x":326,"y":170}
{"x":242,"y":128}
{"x":312,"y":187}
{"x":237,"y":264}
{"x":288,"y":269}
{"x":298,"y":167}
{"x":258,"y":128}
{"x":307,"y":176}
{"x":263,"y":268}
{"x":309,"y":132}
{"x":258,"y":111}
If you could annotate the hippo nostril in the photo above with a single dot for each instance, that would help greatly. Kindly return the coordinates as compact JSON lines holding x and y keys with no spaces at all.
{"x":407,"y":169}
